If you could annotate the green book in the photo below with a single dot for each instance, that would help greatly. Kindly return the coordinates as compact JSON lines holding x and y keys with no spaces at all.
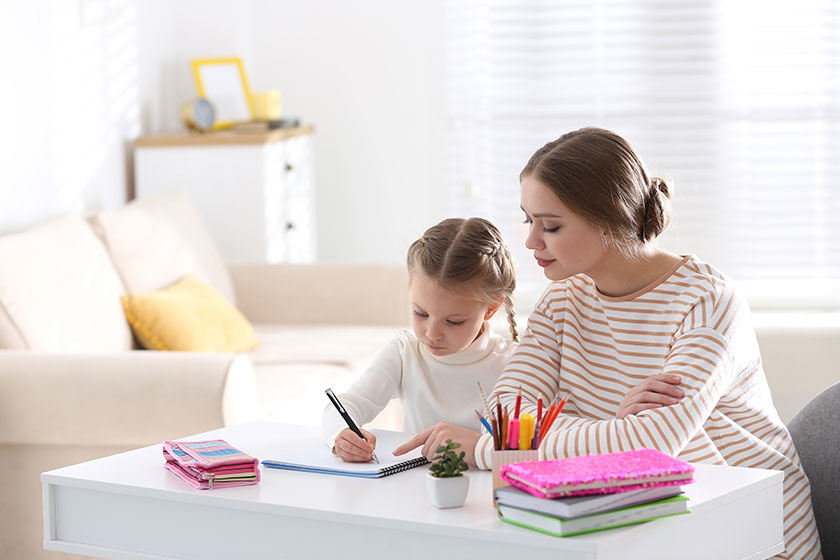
{"x":598,"y":522}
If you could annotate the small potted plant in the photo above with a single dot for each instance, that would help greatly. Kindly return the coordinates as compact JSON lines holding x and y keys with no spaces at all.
{"x":445,"y":480}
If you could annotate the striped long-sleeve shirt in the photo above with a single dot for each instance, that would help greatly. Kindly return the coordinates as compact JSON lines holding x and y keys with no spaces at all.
{"x":692,"y":323}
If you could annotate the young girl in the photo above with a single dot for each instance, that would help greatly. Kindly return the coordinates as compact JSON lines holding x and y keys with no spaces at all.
{"x":653,"y":349}
{"x":461,"y":272}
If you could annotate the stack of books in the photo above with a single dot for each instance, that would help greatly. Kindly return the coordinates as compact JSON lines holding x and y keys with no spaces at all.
{"x":565,"y":497}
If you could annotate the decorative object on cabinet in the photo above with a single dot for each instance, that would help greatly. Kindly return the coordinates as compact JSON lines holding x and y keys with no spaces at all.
{"x":223,"y":82}
{"x":253,"y":190}
{"x":198,"y":115}
{"x":266,"y":105}
{"x":264,"y":126}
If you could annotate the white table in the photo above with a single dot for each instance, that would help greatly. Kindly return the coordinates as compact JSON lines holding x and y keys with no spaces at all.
{"x":129,"y":506}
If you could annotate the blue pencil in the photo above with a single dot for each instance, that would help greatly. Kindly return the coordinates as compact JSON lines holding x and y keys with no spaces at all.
{"x":485,"y":422}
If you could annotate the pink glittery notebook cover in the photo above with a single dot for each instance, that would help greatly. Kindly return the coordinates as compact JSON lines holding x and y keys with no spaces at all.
{"x":607,"y":473}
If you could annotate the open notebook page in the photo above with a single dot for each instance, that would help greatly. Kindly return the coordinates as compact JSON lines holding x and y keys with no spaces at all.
{"x":319,"y":459}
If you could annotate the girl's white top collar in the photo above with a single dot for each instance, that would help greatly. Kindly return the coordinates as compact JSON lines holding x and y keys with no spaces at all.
{"x":475,"y":352}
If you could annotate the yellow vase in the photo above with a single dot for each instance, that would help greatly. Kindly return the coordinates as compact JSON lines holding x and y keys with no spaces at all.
{"x":266,"y":105}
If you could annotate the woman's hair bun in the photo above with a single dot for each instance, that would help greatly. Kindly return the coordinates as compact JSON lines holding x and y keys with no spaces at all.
{"x":657,"y":209}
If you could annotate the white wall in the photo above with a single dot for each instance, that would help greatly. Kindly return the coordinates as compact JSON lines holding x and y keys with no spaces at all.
{"x":89,"y":76}
{"x":369,"y":76}
{"x":70,"y":96}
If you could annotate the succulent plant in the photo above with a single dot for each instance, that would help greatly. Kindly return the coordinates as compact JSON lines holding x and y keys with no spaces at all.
{"x":447,"y":463}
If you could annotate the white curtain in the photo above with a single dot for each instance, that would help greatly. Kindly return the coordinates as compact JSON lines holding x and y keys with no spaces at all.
{"x":734,"y":101}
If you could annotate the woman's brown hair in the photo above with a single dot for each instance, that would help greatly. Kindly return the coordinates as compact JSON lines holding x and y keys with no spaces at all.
{"x":467,"y":256}
{"x":598,"y":175}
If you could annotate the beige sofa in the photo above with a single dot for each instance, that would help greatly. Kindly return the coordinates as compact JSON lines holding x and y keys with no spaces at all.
{"x":74,"y":387}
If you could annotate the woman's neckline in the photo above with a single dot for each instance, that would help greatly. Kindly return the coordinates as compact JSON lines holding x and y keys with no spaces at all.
{"x":648,"y":287}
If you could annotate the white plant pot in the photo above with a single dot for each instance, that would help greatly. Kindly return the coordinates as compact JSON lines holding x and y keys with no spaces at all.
{"x":447,"y":492}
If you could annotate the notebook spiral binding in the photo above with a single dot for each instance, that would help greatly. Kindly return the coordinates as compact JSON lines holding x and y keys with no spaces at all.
{"x":393,"y":469}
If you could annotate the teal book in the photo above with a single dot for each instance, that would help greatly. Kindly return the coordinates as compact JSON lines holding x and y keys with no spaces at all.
{"x":607,"y":520}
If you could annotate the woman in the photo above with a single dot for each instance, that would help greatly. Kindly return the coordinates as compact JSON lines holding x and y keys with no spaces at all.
{"x":653,"y":349}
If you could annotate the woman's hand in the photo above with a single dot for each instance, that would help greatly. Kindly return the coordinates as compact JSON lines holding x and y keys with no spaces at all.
{"x":353,"y":449}
{"x":656,"y":391}
{"x":436,"y":436}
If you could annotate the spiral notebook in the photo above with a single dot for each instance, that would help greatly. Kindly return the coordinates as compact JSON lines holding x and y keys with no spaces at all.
{"x":319,"y":459}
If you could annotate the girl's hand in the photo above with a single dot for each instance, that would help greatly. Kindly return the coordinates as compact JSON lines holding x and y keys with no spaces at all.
{"x":656,"y":391}
{"x":353,"y":449}
{"x":436,"y":436}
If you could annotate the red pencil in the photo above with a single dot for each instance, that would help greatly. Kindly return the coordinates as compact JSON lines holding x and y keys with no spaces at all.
{"x":560,"y":406}
{"x":499,"y":415}
{"x":555,"y":409}
{"x":554,"y":403}
{"x":518,"y":403}
{"x":551,"y":415}
{"x":562,"y":403}
{"x":539,"y":407}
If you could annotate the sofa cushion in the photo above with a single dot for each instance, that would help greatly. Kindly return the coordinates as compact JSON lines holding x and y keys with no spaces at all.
{"x":188,"y":316}
{"x":348,"y":346}
{"x":155,"y":241}
{"x":59,"y":291}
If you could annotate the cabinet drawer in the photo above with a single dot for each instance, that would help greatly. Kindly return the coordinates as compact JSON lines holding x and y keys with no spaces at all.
{"x":254,"y":193}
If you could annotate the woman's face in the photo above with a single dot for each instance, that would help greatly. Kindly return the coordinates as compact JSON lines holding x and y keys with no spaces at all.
{"x":564,"y":243}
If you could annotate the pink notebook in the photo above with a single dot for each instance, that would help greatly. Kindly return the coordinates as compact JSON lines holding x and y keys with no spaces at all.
{"x":607,"y":473}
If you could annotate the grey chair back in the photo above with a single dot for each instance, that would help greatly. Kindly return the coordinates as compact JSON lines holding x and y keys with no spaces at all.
{"x":816,"y":434}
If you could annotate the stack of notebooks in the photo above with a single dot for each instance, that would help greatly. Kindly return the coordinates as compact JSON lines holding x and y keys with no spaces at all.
{"x":210,"y":464}
{"x":565,"y":497}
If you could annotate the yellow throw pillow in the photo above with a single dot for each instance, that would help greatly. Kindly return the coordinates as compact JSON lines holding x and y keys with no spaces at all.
{"x":187,"y":316}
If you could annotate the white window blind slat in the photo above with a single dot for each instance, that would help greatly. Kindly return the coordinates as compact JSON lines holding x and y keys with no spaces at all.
{"x":736,"y":102}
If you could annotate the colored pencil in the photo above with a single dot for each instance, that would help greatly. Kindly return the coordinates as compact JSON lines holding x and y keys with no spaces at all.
{"x":546,"y":423}
{"x":513,"y":434}
{"x":484,"y":421}
{"x":518,"y":403}
{"x":549,"y":420}
{"x":488,"y":412}
{"x":499,"y":412}
{"x":496,"y":433}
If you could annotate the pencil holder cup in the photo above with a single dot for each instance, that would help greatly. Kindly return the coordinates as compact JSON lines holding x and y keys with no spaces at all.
{"x":503,"y":457}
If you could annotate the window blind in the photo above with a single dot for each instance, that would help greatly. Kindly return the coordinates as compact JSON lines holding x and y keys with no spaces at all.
{"x":736,"y":103}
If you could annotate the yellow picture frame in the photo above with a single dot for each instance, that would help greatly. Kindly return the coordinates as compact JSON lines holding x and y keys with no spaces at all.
{"x":223,"y":82}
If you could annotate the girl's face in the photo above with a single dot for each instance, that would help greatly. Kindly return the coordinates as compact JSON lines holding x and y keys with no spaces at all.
{"x":564,"y":243}
{"x":444,"y":321}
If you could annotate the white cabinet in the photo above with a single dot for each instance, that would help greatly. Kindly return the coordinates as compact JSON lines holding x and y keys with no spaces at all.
{"x":253,"y":190}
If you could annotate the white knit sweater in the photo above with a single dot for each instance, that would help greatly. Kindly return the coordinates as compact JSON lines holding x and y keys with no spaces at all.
{"x":431,"y":388}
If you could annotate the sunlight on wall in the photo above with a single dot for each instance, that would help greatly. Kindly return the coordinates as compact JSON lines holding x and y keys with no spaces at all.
{"x":83,"y":102}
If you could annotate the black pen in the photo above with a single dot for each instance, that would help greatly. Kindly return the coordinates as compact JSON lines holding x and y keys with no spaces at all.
{"x":350,"y":423}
